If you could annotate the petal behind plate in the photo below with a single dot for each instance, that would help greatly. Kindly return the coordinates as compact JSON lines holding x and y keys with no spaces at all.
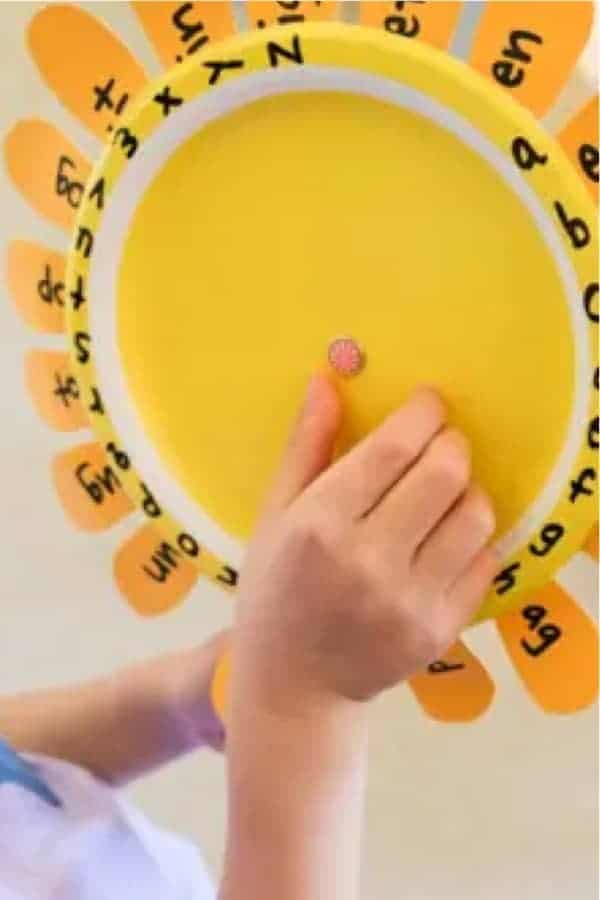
{"x":54,"y":390}
{"x":47,"y":169}
{"x":92,"y":73}
{"x":554,"y":647}
{"x":153,"y":575}
{"x":580,"y":139}
{"x":456,"y":688}
{"x":434,"y":23}
{"x":178,"y":30}
{"x":530,"y":48}
{"x":89,"y":487}
{"x":36,"y":281}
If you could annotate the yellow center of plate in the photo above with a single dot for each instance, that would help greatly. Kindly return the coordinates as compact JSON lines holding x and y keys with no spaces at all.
{"x":305,"y":217}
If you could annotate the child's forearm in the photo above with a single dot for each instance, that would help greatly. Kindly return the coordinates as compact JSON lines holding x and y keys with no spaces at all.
{"x":122,"y":726}
{"x":296,"y":804}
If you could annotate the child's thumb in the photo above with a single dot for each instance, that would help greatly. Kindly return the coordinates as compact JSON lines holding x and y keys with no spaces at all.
{"x":311,"y":446}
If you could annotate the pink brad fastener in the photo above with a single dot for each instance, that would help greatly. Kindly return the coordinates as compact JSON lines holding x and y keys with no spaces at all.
{"x":346,"y":357}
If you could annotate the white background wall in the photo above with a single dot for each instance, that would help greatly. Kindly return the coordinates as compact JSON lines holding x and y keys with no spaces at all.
{"x":503,"y":808}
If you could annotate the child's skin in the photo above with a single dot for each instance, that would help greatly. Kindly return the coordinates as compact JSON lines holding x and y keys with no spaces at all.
{"x":123,"y":726}
{"x":361,"y":573}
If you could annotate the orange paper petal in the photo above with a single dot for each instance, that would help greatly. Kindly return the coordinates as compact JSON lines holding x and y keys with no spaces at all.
{"x":591,"y":545}
{"x":54,"y":390}
{"x":89,"y":69}
{"x":89,"y":488}
{"x":36,"y":281}
{"x":434,"y":23}
{"x":530,"y":48}
{"x":178,"y":30}
{"x":553,"y":645}
{"x":153,"y":575}
{"x":220,"y":686}
{"x":264,"y":14}
{"x":47,"y":169}
{"x":580,"y":140}
{"x":454,"y":689}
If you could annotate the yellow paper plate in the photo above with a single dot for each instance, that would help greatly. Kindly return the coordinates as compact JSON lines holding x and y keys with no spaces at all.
{"x":515,"y":382}
{"x":261,"y":202}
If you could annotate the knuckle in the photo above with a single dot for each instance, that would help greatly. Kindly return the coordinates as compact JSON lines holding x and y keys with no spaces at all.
{"x":481,"y":512}
{"x":311,"y":537}
{"x":431,"y":627}
{"x":438,"y":638}
{"x":450,"y":459}
{"x":490,"y":567}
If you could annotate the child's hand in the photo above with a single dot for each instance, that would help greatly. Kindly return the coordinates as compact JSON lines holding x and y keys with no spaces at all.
{"x":121,"y":726}
{"x":365,"y":571}
{"x":360,"y":574}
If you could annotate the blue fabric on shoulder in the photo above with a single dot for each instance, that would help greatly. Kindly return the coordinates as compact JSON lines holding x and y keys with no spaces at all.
{"x":16,"y":770}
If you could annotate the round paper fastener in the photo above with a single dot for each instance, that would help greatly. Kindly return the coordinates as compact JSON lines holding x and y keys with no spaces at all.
{"x":346,"y":357}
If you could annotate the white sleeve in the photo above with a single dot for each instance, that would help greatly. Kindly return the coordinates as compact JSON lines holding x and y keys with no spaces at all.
{"x":94,"y":846}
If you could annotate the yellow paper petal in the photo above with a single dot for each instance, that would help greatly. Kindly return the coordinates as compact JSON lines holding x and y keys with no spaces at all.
{"x":89,"y":488}
{"x":554,"y":647}
{"x":54,"y":390}
{"x":264,"y":14}
{"x":454,"y":689}
{"x":89,"y":69}
{"x":220,"y":686}
{"x":153,"y":575}
{"x":47,"y":169}
{"x":580,"y":140}
{"x":36,"y":281}
{"x":178,"y":30}
{"x":434,"y":23}
{"x":530,"y":48}
{"x":591,"y":545}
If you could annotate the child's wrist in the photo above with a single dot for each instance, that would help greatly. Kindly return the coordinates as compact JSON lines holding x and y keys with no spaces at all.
{"x":177,"y":690}
{"x":296,"y":763}
{"x":293,"y":705}
{"x":189,"y":694}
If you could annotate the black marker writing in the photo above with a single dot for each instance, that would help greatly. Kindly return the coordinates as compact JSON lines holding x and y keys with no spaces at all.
{"x":217,"y":68}
{"x":66,"y":184}
{"x":526,"y":156}
{"x":276,"y":52}
{"x":51,"y":291}
{"x":505,"y":71}
{"x":577,"y":230}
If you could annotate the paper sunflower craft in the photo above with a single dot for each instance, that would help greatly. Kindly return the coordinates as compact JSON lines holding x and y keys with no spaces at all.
{"x":311,"y":181}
